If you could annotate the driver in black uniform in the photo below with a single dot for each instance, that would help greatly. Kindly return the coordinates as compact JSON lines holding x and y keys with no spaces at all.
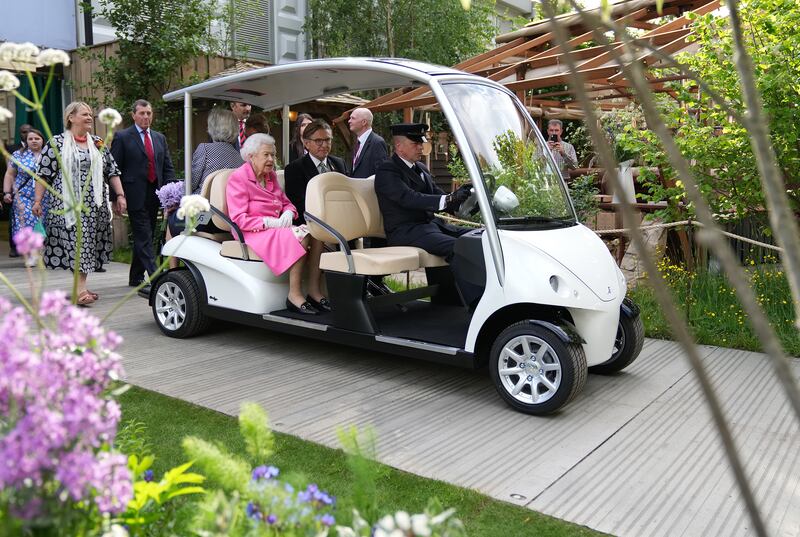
{"x":408,"y":197}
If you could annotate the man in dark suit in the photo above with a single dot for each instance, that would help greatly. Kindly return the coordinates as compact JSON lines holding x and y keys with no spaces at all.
{"x":408,"y":197}
{"x":317,"y":139}
{"x":369,"y":149}
{"x":143,"y":158}
{"x":242,"y":112}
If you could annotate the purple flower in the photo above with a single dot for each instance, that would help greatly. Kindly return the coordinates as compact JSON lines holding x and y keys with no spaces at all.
{"x":28,"y":241}
{"x":264,"y":472}
{"x":252,"y":511}
{"x":148,"y":475}
{"x":312,"y":494}
{"x":170,"y":194}
{"x":272,"y":519}
{"x":327,"y":520}
{"x":56,"y":416}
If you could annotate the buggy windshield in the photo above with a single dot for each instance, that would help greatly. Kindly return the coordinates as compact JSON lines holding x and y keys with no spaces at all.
{"x":523,"y":183}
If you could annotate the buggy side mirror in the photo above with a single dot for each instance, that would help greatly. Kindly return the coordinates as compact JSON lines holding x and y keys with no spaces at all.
{"x":504,"y":200}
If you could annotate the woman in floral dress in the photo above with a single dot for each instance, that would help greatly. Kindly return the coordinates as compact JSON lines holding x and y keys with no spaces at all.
{"x":91,"y":171}
{"x":18,"y":184}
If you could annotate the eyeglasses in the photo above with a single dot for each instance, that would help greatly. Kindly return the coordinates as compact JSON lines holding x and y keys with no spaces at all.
{"x":320,"y":141}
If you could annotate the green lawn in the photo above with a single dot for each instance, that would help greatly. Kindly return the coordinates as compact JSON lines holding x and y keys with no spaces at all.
{"x":169,"y":420}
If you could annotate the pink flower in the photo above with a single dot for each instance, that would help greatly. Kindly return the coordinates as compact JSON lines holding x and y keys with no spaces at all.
{"x":28,"y":241}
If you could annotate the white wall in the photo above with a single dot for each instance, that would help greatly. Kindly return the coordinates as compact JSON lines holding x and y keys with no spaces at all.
{"x":45,"y":23}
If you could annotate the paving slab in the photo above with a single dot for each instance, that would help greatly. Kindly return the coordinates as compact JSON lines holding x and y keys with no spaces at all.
{"x":635,"y":454}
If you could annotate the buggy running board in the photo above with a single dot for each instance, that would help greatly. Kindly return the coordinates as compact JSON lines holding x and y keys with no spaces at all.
{"x":422,"y":345}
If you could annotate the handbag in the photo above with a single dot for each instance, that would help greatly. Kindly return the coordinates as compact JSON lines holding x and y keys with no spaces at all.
{"x":38,"y":227}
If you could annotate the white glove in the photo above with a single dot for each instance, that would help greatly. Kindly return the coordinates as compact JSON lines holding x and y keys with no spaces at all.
{"x":286,"y":219}
{"x":271,"y":221}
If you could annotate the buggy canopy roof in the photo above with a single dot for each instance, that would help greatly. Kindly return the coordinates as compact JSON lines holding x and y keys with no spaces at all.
{"x":275,"y":86}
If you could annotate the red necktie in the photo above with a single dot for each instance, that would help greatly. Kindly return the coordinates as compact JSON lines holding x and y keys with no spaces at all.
{"x":151,"y":157}
{"x":242,"y":136}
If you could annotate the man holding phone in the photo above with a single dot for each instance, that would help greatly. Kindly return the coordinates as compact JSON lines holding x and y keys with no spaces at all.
{"x":563,"y":152}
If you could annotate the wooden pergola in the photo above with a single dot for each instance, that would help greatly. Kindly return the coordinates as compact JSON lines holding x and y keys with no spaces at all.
{"x":527,"y":61}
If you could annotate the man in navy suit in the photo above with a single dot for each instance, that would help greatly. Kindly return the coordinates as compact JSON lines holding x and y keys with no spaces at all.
{"x":370,"y":149}
{"x":143,"y":158}
{"x":317,"y":139}
{"x":408,"y":197}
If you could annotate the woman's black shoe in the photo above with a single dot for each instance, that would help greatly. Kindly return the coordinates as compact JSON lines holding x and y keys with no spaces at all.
{"x":13,"y":253}
{"x":305,"y":308}
{"x":324,"y":305}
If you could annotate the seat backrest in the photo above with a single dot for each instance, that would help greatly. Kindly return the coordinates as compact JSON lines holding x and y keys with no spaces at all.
{"x":217,"y":198}
{"x":216,"y":183}
{"x":348,"y":205}
{"x":205,"y":188}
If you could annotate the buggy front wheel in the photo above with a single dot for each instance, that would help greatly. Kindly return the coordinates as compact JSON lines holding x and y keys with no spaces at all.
{"x":534,"y":371}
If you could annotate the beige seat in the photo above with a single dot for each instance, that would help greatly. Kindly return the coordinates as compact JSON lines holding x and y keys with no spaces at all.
{"x":351,"y":208}
{"x":205,"y":191}
{"x":217,"y":197}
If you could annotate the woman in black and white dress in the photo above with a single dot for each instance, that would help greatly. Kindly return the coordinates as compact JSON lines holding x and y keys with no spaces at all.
{"x":82,"y":180}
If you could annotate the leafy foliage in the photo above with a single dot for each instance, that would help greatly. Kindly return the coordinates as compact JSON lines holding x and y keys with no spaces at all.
{"x":524,"y":171}
{"x":436,"y":31}
{"x":255,"y":429}
{"x":150,"y":54}
{"x":719,"y":149}
{"x":583,"y":192}
{"x":362,"y":452}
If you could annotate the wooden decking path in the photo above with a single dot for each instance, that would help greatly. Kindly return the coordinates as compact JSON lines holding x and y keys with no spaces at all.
{"x":634,"y":455}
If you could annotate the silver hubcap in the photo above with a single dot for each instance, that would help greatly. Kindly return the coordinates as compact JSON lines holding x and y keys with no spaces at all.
{"x":619,"y":342}
{"x":529,"y":369}
{"x":170,"y":306}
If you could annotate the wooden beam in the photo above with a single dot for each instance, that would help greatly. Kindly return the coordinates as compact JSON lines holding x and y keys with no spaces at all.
{"x":650,"y":57}
{"x":590,"y":74}
{"x":677,"y":24}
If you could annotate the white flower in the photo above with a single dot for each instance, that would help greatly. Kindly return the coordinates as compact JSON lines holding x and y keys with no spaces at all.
{"x":116,"y":531}
{"x":8,"y":81}
{"x":53,"y":56}
{"x":358,"y":521}
{"x":8,"y":51}
{"x":343,"y":531}
{"x":109,"y":117}
{"x":5,"y":114}
{"x":193,"y":205}
{"x":26,"y":52}
{"x":397,"y":533}
{"x":419,"y":525}
{"x":403,"y":520}
{"x":379,"y":533}
{"x":387,"y":523}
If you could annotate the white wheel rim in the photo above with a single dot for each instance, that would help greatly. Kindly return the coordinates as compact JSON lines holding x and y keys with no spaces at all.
{"x":530,"y":370}
{"x":170,"y":306}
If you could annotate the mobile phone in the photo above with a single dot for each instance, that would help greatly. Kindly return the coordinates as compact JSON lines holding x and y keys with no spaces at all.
{"x":553,"y":138}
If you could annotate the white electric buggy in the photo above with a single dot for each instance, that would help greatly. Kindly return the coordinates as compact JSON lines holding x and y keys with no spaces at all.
{"x":540,"y":299}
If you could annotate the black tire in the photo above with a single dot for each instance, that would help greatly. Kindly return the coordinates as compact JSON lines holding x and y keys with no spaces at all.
{"x":627,"y":345}
{"x":561,"y":371}
{"x":176,"y":305}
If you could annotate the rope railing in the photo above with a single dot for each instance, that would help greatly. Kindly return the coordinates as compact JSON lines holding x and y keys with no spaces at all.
{"x":617,"y":231}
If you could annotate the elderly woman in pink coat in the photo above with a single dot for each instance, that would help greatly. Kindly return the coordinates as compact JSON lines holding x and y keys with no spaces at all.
{"x":262,"y":211}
